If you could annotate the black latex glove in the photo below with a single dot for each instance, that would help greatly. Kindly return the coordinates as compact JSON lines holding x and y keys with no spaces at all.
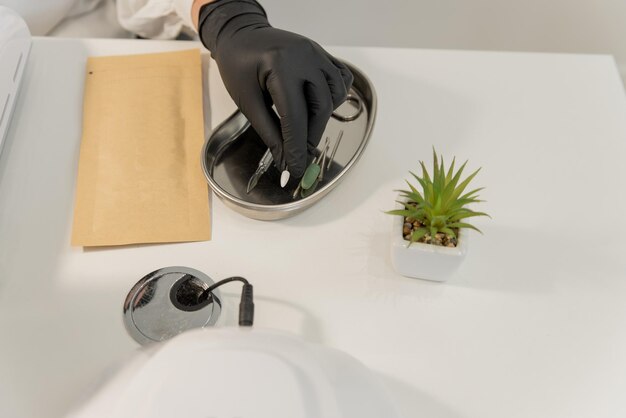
{"x":263,"y":66}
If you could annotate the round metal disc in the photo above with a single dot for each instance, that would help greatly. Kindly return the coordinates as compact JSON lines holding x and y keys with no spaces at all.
{"x":169,"y":301}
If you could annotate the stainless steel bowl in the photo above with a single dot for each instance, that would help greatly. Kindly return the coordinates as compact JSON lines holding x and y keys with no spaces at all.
{"x":232,"y":153}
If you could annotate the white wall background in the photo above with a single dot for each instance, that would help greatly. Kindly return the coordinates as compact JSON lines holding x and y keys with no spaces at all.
{"x":586,"y":26}
{"x":579,"y":26}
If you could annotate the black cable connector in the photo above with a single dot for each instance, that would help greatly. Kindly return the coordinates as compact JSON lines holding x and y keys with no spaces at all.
{"x":246,"y":306}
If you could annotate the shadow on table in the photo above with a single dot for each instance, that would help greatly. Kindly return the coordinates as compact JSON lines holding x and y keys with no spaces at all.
{"x":504,"y":259}
{"x":517,"y":259}
{"x":411,"y":402}
{"x":511,"y":259}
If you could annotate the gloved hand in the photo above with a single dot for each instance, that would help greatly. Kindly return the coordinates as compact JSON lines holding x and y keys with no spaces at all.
{"x":263,"y":66}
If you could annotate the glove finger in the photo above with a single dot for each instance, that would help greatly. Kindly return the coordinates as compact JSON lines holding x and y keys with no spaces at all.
{"x":346,"y":74}
{"x":320,"y":107}
{"x":336,"y":84}
{"x":335,"y":77}
{"x":265,"y":123}
{"x":288,"y":96}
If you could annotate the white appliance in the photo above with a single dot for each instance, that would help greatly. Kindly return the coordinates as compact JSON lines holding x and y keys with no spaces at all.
{"x":240,"y":373}
{"x":15,"y":42}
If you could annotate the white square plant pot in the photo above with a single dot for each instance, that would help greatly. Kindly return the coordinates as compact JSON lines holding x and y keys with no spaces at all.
{"x":425,"y":261}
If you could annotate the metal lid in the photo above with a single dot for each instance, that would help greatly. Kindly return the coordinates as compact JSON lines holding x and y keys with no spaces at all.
{"x":167,"y":302}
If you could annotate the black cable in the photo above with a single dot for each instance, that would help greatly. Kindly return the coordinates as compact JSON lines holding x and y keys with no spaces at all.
{"x":246,"y":305}
{"x":227,"y":280}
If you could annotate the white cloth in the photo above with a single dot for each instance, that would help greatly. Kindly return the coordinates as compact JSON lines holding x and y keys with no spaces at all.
{"x":156,"y":19}
{"x":159,"y":19}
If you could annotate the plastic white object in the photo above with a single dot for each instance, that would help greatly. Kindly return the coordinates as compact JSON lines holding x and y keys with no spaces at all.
{"x":15,"y":42}
{"x":240,"y":372}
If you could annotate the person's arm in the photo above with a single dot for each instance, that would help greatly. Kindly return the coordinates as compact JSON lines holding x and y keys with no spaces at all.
{"x":195,"y":10}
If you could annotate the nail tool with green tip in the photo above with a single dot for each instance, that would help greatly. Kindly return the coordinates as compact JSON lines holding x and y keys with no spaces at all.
{"x":310,"y":175}
{"x":313,"y":174}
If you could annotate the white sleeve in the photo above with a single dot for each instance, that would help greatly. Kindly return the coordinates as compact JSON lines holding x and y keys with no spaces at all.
{"x":155,"y":19}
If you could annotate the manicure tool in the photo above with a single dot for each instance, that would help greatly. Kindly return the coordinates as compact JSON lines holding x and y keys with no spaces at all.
{"x":267,"y":159}
{"x":264,"y":165}
{"x":332,"y":154}
{"x":313,"y":174}
{"x":310,"y":175}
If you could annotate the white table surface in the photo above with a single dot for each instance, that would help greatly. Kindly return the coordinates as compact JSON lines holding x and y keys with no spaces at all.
{"x":532,"y":325}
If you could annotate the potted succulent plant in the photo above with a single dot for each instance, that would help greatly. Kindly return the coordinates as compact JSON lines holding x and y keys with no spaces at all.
{"x":430,"y":231}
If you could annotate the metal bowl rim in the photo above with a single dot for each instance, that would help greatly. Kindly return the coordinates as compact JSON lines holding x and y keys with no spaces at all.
{"x":302,"y":203}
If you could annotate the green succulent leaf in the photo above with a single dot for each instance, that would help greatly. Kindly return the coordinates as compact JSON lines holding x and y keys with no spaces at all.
{"x":470,"y":194}
{"x":418,"y":234}
{"x":448,"y":231}
{"x":421,"y":181}
{"x":399,"y":212}
{"x":426,"y":178}
{"x":414,"y":197}
{"x":464,"y":215}
{"x":459,"y":189}
{"x":439,"y":221}
{"x":455,"y":179}
{"x":413,"y":189}
{"x":461,"y":203}
{"x":435,"y":165}
{"x":439,"y":200}
{"x":463,"y":225}
{"x":450,"y":171}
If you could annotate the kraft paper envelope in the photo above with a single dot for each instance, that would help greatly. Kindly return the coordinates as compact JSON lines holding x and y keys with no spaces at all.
{"x":140,"y":178}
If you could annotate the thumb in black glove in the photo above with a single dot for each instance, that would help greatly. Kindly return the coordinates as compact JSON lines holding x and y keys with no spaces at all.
{"x":262,"y":66}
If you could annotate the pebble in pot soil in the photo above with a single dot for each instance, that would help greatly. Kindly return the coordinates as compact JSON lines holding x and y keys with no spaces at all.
{"x":441,"y":239}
